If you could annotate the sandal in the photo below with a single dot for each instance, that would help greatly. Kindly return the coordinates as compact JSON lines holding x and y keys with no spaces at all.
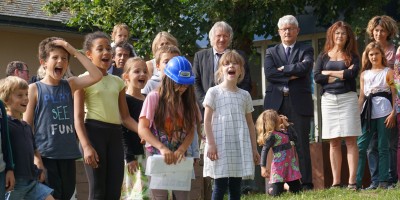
{"x":336,"y":186}
{"x":352,"y":187}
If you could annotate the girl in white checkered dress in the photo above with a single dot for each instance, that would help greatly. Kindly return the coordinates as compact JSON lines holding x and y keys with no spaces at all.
{"x":230,"y":151}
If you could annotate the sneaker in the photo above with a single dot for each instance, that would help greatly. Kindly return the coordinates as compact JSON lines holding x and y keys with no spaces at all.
{"x":383,"y":185}
{"x":391,"y":186}
{"x":371,"y":187}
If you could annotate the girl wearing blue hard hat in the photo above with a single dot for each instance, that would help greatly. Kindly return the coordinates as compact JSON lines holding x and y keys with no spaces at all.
{"x":168,"y":117}
{"x":231,"y":150}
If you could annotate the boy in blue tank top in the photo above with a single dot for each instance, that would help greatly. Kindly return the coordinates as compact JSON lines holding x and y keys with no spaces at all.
{"x":50,"y":111}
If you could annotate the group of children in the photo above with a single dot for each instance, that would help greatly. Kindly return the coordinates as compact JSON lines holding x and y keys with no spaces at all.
{"x":49,"y":117}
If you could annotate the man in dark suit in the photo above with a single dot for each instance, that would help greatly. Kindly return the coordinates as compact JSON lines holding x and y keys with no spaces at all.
{"x":287,"y":69}
{"x":205,"y":62}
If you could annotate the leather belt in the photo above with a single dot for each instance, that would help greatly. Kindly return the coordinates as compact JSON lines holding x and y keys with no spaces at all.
{"x":285,"y":94}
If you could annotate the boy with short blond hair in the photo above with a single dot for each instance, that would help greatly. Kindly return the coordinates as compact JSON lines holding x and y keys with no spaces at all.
{"x":163,"y":55}
{"x":14,"y":93}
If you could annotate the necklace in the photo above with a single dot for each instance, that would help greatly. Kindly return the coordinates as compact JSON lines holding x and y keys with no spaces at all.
{"x":338,"y":51}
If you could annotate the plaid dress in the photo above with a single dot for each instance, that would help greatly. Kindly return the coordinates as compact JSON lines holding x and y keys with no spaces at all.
{"x":231,"y":134}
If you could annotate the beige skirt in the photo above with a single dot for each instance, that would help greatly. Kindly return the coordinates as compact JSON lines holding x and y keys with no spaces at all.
{"x":340,"y":115}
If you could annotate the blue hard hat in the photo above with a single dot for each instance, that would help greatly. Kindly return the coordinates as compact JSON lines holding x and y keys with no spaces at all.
{"x":179,"y":70}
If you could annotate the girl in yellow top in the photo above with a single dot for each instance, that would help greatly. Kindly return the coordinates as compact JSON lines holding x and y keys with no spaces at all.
{"x":106,"y":108}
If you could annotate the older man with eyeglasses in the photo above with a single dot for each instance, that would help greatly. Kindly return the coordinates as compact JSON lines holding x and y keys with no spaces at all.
{"x":18,"y":68}
{"x":287,"y":69}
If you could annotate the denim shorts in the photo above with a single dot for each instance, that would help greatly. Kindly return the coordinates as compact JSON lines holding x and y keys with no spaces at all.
{"x":29,"y":189}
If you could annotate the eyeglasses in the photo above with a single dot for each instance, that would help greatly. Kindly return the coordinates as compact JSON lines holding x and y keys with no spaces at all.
{"x":24,"y":70}
{"x":287,"y":29}
{"x":20,"y":66}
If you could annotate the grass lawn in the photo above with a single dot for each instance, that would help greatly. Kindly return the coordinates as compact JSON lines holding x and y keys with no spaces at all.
{"x":341,"y":194}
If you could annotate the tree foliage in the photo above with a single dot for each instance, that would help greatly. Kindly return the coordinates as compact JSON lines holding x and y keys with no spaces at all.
{"x":190,"y":20}
{"x":355,"y":12}
{"x":145,"y":18}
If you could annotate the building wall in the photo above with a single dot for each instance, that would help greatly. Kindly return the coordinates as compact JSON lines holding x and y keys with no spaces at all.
{"x":20,"y":43}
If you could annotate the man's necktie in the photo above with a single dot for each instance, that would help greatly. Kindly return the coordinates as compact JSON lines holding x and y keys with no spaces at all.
{"x":287,"y":53}
{"x":218,"y":57}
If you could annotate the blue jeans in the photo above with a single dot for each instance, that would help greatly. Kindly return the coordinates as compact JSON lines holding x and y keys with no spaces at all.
{"x":373,"y":158}
{"x":221,"y":184}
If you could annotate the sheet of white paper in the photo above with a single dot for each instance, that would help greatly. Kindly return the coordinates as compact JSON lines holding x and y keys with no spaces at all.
{"x":174,"y":181}
{"x":156,"y":165}
{"x":169,"y":177}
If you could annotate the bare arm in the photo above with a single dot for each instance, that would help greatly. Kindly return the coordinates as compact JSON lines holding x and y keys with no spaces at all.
{"x":10,"y":180}
{"x":390,"y":121}
{"x":89,"y":153}
{"x":361,"y":97}
{"x":30,"y":109}
{"x":39,"y":163}
{"x":212,"y":151}
{"x":126,"y":118}
{"x":252,"y":130}
{"x":150,"y":68}
{"x":145,"y":133}
{"x":94,"y":75}
{"x":180,"y":152}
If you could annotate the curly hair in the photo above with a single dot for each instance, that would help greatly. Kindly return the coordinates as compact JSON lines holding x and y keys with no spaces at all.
{"x":385,"y":22}
{"x":46,"y":46}
{"x":89,"y":39}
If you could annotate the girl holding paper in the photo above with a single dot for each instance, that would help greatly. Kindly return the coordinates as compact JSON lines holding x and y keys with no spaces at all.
{"x":168,"y":117}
